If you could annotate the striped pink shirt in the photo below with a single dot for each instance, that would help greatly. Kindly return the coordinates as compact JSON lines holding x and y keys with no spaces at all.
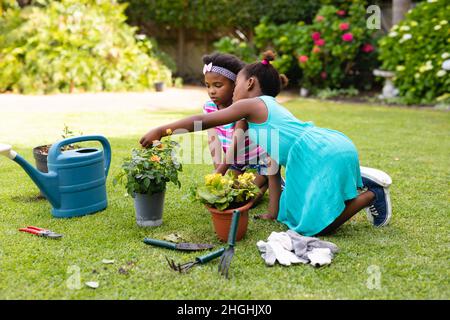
{"x":252,"y":153}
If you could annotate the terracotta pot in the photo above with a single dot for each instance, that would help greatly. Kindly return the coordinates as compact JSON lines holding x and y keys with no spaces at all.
{"x":222,"y":221}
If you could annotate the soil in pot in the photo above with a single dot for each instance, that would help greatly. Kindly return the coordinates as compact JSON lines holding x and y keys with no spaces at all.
{"x":222,"y":221}
{"x":40,"y":155}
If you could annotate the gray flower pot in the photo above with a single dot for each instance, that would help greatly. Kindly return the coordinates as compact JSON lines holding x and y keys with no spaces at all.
{"x":41,"y":162}
{"x":149,"y":209}
{"x":159,"y":86}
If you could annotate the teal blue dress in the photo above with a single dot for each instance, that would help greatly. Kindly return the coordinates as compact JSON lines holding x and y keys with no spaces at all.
{"x":321,"y":167}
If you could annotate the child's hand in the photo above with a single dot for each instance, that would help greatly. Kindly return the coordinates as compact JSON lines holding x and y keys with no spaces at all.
{"x":222,"y":168}
{"x":265,"y":216}
{"x":149,"y":137}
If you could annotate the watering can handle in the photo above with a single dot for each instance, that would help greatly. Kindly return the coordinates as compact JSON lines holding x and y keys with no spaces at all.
{"x":55,"y":150}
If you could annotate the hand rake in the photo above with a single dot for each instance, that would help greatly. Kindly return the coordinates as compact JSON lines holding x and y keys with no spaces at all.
{"x":183,"y":268}
{"x":225,"y":259}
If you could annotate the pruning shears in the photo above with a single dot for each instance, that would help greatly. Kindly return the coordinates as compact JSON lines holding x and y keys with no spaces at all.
{"x":41,"y":232}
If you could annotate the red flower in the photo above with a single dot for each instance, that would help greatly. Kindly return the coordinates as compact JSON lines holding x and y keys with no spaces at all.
{"x":315,"y":36}
{"x":303,"y":59}
{"x":347,"y":37}
{"x":319,"y":42}
{"x":320,"y":18}
{"x":323,"y":75}
{"x":316,"y":49}
{"x":344,"y":26}
{"x":367,"y":47}
{"x":341,"y":13}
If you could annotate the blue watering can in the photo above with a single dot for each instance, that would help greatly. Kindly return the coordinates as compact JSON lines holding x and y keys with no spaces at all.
{"x":75,"y":183}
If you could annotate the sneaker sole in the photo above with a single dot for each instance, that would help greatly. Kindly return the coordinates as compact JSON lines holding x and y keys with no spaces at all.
{"x":380,"y":177}
{"x":389,"y":210}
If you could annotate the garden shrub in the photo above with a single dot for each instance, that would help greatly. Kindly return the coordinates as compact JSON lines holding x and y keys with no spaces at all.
{"x":214,"y":15}
{"x":335,"y":51}
{"x":417,"y":50}
{"x":69,"y":45}
{"x":242,"y":49}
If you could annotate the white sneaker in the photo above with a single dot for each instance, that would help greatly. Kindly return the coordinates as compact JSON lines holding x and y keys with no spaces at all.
{"x":380,"y":177}
{"x":384,"y":180}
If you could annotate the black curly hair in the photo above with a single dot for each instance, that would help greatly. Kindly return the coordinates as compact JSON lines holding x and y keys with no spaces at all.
{"x":224,"y":60}
{"x":270,"y":81}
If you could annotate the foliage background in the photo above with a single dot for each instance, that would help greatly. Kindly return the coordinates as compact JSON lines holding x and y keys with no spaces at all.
{"x":68,"y":45}
{"x":334,"y":63}
{"x":416,"y":49}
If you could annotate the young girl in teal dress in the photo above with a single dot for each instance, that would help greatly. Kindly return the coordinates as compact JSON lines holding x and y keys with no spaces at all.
{"x":322,"y":167}
{"x":220,"y":72}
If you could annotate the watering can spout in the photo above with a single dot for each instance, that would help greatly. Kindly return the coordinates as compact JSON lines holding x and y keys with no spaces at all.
{"x":6,"y":150}
{"x":46,"y":182}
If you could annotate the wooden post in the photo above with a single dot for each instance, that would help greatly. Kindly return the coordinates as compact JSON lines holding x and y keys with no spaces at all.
{"x":399,"y":9}
{"x":180,"y":51}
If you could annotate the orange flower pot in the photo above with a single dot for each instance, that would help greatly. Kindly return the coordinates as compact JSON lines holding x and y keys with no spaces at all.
{"x":222,"y":221}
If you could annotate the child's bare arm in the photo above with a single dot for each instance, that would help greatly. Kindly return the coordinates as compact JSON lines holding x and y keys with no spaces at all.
{"x":238,"y":139}
{"x":274,"y":191}
{"x":251,"y":109}
{"x":274,"y":194}
{"x":215,"y":148}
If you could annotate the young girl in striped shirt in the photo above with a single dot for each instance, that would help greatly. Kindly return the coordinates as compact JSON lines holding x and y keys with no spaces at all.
{"x":230,"y":148}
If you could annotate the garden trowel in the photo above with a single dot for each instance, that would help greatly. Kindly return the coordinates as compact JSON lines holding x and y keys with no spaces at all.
{"x":178,"y":246}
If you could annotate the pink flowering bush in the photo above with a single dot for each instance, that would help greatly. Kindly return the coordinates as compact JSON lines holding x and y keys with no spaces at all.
{"x":336,"y":51}
{"x":418,"y":51}
{"x":347,"y":53}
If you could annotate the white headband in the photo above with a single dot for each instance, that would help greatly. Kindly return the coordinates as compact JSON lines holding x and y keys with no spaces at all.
{"x":225,"y":72}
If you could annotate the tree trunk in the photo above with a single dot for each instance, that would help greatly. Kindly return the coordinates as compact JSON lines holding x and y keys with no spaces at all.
{"x":23,"y":3}
{"x":206,"y":41}
{"x":180,"y":50}
{"x":399,"y":9}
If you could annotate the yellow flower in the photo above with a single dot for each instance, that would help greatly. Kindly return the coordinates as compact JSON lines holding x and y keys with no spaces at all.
{"x":246,"y":178}
{"x":169,"y":132}
{"x":210,"y":177}
{"x":155,"y":158}
{"x":249,"y":176}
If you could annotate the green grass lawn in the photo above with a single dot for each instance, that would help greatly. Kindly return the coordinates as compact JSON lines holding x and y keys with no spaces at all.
{"x":412,"y":253}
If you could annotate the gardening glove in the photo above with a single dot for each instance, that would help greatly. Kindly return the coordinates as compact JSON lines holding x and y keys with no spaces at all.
{"x":281,"y":254}
{"x":282,"y":238}
{"x":267,"y":253}
{"x":302,"y":245}
{"x":273,"y":251}
{"x":320,"y":256}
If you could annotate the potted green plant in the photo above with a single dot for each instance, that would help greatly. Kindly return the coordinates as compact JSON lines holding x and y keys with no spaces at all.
{"x":145,"y":175}
{"x":223,"y":194}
